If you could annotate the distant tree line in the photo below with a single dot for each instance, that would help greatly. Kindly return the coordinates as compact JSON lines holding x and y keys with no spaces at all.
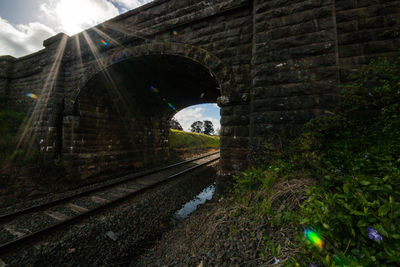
{"x":204,"y":127}
{"x":175,"y":125}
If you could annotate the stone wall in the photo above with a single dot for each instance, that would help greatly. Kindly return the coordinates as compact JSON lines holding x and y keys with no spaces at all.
{"x":294,"y":66}
{"x":221,"y":31}
{"x":302,"y":51}
{"x":363,"y":32}
{"x":270,"y":65}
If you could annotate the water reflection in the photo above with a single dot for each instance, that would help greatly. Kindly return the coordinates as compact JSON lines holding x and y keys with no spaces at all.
{"x":191,"y":206}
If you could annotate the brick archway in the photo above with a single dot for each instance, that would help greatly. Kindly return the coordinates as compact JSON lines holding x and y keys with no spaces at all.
{"x":213,"y":64}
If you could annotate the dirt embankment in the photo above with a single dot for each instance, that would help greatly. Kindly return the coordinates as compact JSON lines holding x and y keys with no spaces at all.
{"x":225,"y":233}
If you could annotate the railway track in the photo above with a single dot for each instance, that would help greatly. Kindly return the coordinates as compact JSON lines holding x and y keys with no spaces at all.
{"x":27,"y":225}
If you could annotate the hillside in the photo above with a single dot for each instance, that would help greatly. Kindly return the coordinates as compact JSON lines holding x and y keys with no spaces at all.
{"x":185,"y":140}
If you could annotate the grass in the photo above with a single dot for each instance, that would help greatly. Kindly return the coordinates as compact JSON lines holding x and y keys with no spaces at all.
{"x":180,"y":139}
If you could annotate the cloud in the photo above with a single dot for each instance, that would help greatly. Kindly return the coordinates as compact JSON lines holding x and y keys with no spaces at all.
{"x":189,"y":115}
{"x":68,"y":16}
{"x":73,"y":16}
{"x":131,"y":4}
{"x":21,"y":39}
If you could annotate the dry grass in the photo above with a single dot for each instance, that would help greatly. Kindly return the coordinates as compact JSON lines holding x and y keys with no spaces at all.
{"x":290,"y":191}
{"x":218,"y":230}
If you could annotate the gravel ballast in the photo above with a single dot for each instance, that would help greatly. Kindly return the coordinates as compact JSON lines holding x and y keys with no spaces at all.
{"x":134,"y":225}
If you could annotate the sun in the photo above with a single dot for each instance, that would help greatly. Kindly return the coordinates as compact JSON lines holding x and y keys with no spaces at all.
{"x":73,"y":16}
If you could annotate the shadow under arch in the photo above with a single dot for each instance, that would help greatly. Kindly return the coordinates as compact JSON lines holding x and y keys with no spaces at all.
{"x":120,"y":120}
{"x":217,"y":69}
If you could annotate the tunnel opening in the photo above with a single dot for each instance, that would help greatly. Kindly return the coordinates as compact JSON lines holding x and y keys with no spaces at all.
{"x":126,"y":109}
{"x":195,"y":130}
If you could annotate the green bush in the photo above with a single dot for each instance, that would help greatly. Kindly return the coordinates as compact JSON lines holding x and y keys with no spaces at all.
{"x":355,"y":156}
{"x":264,"y":176}
{"x":249,"y":180}
{"x":358,"y":158}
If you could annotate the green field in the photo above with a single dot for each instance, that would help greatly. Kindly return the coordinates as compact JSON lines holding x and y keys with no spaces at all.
{"x":185,"y":140}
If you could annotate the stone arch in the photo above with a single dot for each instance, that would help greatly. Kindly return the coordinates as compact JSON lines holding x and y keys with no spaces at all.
{"x":112,"y":129}
{"x":213,"y":64}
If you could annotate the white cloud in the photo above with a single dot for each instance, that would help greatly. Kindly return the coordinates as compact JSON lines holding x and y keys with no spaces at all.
{"x":68,"y":16}
{"x":131,"y":4}
{"x":73,"y":16}
{"x":189,"y":115}
{"x":21,"y":39}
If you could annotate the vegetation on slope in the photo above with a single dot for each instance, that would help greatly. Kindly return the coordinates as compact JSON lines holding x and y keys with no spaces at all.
{"x":185,"y":140}
{"x":351,"y":215}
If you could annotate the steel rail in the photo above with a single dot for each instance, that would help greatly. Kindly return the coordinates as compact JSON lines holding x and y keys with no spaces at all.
{"x":11,"y":215}
{"x":6,"y":247}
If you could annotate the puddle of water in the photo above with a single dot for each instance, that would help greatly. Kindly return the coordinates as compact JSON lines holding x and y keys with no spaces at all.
{"x":191,"y":206}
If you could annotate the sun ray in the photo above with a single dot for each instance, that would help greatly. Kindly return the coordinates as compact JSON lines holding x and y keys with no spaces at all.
{"x":121,"y":103}
{"x":78,"y":50}
{"x":27,"y":134}
{"x":132,"y":32}
{"x":107,"y":37}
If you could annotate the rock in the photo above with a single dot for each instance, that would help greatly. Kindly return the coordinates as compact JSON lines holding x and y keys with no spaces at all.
{"x":112,"y":235}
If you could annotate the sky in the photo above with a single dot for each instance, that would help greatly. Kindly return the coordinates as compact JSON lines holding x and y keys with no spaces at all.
{"x":25,"y":24}
{"x":199,"y":113}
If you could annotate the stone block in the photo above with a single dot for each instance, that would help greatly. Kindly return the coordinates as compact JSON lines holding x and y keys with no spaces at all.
{"x":234,"y":142}
{"x":235,"y":120}
{"x":271,"y":83}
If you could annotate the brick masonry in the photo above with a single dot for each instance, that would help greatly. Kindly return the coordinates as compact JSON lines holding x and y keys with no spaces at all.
{"x":270,"y":65}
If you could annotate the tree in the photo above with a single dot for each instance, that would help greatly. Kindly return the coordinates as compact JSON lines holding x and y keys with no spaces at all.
{"x":196,"y":127}
{"x":174,"y":124}
{"x":208,"y":128}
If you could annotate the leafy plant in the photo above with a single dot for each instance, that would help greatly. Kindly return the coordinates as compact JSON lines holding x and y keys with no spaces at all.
{"x":355,"y":207}
{"x":360,"y":167}
{"x":249,"y":180}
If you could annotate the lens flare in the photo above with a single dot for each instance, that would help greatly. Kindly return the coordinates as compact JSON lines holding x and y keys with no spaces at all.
{"x":314,"y":238}
{"x":30,"y":95}
{"x":153,"y":89}
{"x":171,"y":106}
{"x":104,"y":42}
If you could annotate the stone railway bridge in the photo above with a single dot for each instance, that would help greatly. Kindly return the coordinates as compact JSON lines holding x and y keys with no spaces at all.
{"x":270,"y":65}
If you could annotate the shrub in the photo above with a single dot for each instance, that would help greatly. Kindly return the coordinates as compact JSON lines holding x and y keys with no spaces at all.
{"x":354,"y":154}
{"x":359,"y":166}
